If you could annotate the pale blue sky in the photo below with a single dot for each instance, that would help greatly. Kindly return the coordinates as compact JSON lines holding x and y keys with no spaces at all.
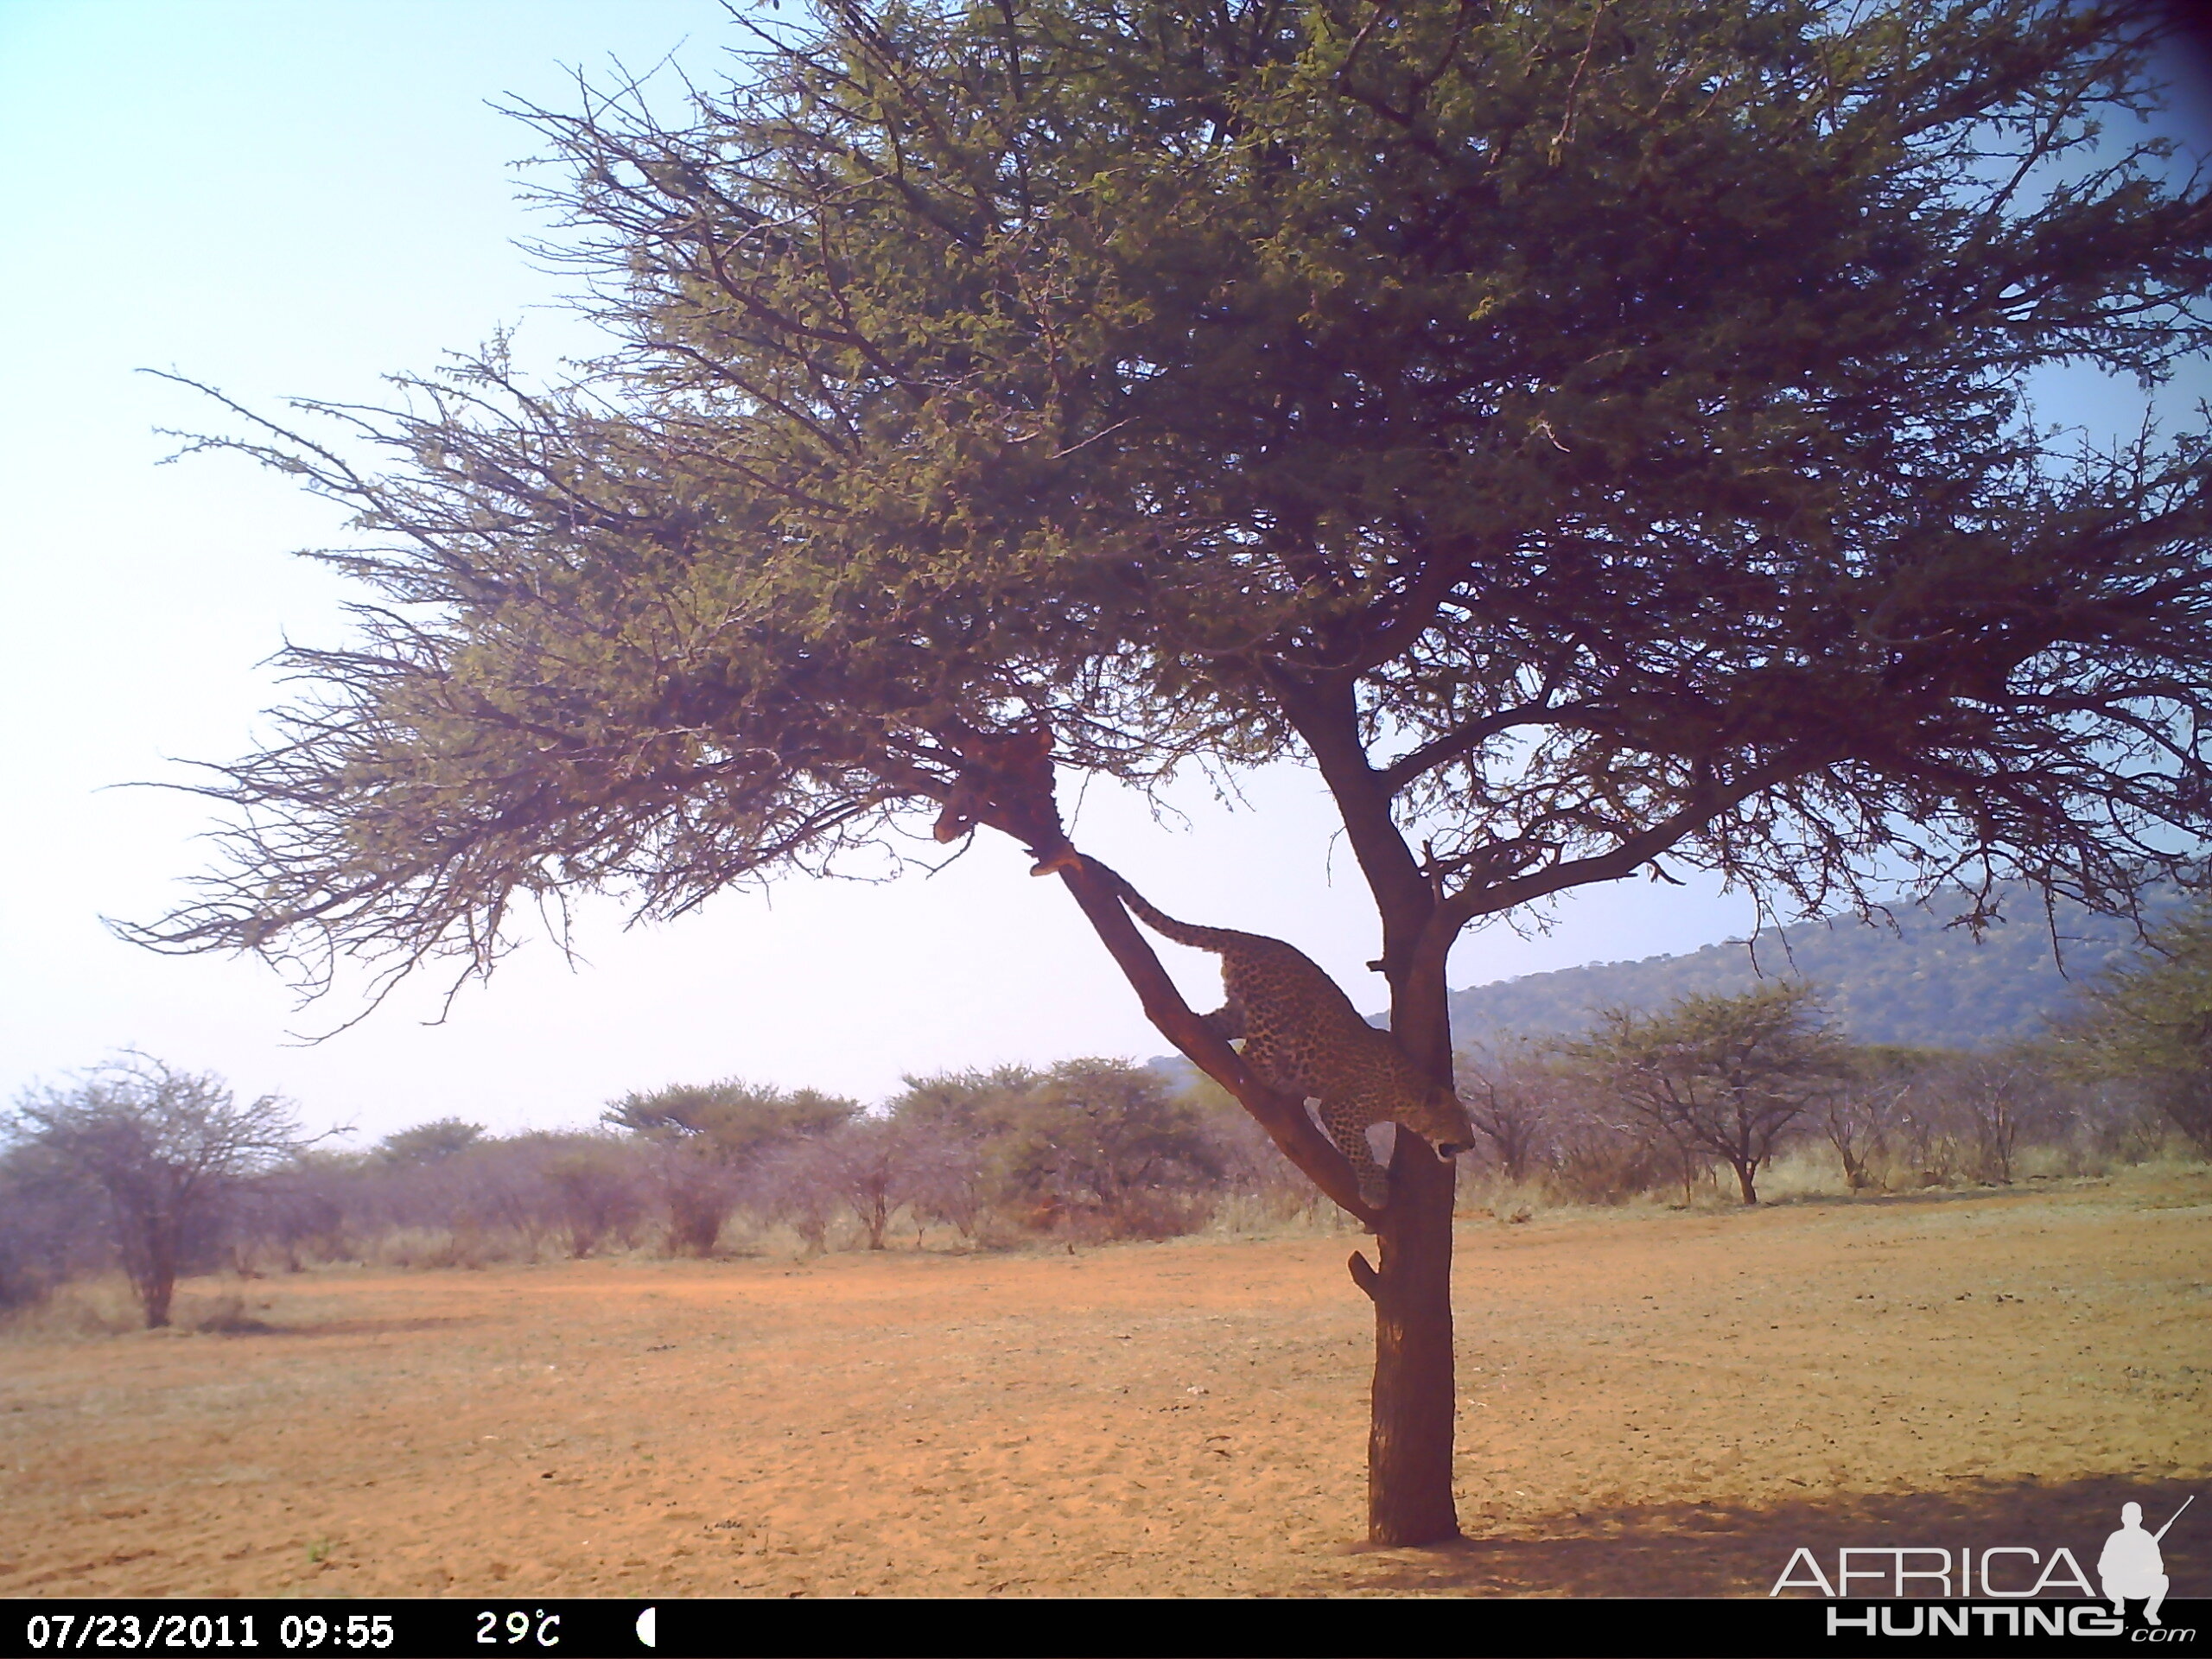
{"x":294,"y":198}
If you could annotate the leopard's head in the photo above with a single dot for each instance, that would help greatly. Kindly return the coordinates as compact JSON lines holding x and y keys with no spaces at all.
{"x":1444,"y":1124}
{"x":1002,"y":780}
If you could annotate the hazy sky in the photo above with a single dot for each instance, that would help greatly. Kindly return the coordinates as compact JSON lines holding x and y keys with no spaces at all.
{"x":282,"y":198}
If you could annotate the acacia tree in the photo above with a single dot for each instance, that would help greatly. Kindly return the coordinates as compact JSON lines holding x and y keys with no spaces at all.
{"x":429,"y":1144}
{"x":1101,"y":1139}
{"x":2151,"y":1023}
{"x":1722,"y":1078}
{"x":166,"y":1147}
{"x":1512,"y":1098}
{"x":1586,"y":436}
{"x":1858,"y":1115}
{"x":872,"y":1165}
{"x":709,"y":1135}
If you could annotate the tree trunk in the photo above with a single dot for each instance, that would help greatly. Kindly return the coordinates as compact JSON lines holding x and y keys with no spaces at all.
{"x":1746,"y":1178}
{"x":1409,"y":1434}
{"x":1854,"y":1167}
{"x":158,"y":1285}
{"x":149,"y":1255}
{"x":1411,"y":1403}
{"x":879,"y":1219}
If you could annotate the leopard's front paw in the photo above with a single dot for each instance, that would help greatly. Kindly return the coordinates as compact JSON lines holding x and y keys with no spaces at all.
{"x":1375,"y":1190}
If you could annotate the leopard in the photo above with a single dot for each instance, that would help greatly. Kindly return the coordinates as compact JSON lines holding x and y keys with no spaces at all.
{"x":1303,"y":1037}
{"x":1006,"y":779}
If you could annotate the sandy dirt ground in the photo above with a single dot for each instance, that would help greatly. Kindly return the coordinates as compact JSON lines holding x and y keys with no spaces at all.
{"x":1653,"y":1404}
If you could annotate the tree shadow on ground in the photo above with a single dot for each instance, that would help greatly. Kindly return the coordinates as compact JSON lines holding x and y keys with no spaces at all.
{"x":1710,"y":1549}
{"x":369,"y":1327}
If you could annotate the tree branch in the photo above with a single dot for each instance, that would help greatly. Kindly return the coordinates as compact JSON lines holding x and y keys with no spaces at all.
{"x":1285,"y":1119}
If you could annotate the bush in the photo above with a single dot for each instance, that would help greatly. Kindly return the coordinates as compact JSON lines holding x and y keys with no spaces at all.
{"x":52,"y":1225}
{"x":596,"y":1190}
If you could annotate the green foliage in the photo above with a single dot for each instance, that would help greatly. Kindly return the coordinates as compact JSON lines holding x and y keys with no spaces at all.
{"x":973,"y":1103}
{"x":428,"y":1143}
{"x":1721,"y":1077}
{"x":729,"y":1121}
{"x":2149,"y":1021}
{"x":1095,"y":1132}
{"x":711,"y":1136}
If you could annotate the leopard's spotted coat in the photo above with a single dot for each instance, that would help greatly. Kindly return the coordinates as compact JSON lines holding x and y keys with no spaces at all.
{"x":1303,"y":1037}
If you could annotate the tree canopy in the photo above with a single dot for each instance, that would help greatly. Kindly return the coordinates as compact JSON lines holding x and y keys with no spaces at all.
{"x":428,"y":1143}
{"x":1088,"y":1133}
{"x":730,"y":1121}
{"x":1585,"y":436}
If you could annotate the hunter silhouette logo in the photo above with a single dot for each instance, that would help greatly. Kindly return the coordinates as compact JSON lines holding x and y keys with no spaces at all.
{"x":2132,"y":1564}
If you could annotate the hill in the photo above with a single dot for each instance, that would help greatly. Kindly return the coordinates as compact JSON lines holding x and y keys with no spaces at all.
{"x":1920,"y":981}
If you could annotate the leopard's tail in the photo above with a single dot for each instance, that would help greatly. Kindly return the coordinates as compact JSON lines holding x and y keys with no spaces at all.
{"x":1202,"y":938}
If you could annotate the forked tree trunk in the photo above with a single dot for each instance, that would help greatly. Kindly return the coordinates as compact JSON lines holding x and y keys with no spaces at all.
{"x":153,"y":1274}
{"x":1747,"y":1178}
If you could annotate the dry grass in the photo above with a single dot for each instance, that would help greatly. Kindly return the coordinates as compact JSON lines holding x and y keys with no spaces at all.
{"x":1653,"y":1402}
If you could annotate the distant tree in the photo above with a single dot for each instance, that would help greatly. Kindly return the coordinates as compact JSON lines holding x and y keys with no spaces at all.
{"x":428,"y":1143}
{"x":708,"y":1134}
{"x":729,"y":1119}
{"x":1251,"y":1161}
{"x":974,"y":1104}
{"x":2150,"y":1022}
{"x":874,"y":1163}
{"x":951,"y":1186}
{"x":792,"y":1184}
{"x":596,"y":1190}
{"x":698,"y":1191}
{"x":166,"y":1148}
{"x":1588,"y":434}
{"x":954,"y":1112}
{"x":865,"y":1165}
{"x":1513,"y":1095}
{"x":1861,"y":1113}
{"x":301,"y":1209}
{"x":1105,"y":1139}
{"x":1999,"y":1100}
{"x":1722,"y":1077}
{"x":1597,"y":1158}
{"x":882,"y":1163}
{"x":1090,"y":1141}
